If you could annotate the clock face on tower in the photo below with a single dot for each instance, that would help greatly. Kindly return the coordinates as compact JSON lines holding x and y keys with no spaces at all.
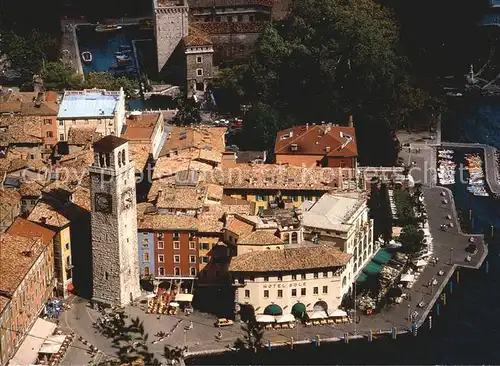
{"x":103,"y":202}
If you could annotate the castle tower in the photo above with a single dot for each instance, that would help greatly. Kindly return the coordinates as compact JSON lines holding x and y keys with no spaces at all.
{"x":115,"y":262}
{"x":171,"y":25}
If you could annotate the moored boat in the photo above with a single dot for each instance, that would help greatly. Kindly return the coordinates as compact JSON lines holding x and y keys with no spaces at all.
{"x":87,"y":57}
{"x":107,"y":27}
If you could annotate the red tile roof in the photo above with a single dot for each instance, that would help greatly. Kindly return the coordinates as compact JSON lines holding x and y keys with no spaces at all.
{"x":227,"y":3}
{"x":197,"y":37}
{"x":231,"y":27}
{"x":28,"y":229}
{"x":317,"y":140}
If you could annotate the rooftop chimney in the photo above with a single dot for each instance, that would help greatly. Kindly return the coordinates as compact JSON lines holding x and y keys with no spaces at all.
{"x":351,"y":121}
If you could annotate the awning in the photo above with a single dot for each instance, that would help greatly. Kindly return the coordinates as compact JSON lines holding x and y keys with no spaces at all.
{"x":317,"y":315}
{"x":406,"y":277}
{"x":298,"y":309}
{"x":420,"y":263}
{"x":372,"y":268}
{"x":184,"y":297}
{"x":263,"y":318}
{"x":52,"y":344}
{"x":285,"y":318}
{"x":28,"y":351}
{"x":382,"y":257}
{"x":336,"y":313}
{"x":362,"y":278}
{"x":273,"y":309}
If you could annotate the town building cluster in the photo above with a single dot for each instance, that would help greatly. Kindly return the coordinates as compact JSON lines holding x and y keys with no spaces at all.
{"x":96,"y":200}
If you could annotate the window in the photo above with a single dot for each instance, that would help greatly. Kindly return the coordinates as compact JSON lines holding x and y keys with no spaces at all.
{"x":266,"y":293}
{"x":199,"y":59}
{"x":61,"y":123}
{"x":67,"y":246}
{"x":106,"y":275}
{"x":247,"y":294}
{"x":177,"y":259}
{"x":49,"y":134}
{"x":146,"y":271}
{"x":294,"y":292}
{"x":240,"y":18}
{"x":204,"y":246}
{"x":252,"y":18}
{"x":294,"y":277}
{"x":280,"y":278}
{"x":315,"y":290}
{"x":325,"y":274}
{"x":61,"y":136}
{"x":316,"y":275}
{"x":175,"y":236}
{"x":192,"y":245}
{"x":192,"y":259}
{"x":303,"y":276}
{"x":177,"y":271}
{"x":192,"y":271}
{"x":47,"y":121}
{"x":280,"y":293}
{"x":161,"y":245}
{"x":217,"y":19}
{"x":204,"y":259}
{"x":303,"y":291}
{"x":145,"y":257}
{"x":177,"y":245}
{"x":199,"y":72}
{"x":161,"y":258}
{"x":325,"y":289}
{"x":266,"y":279}
{"x":160,"y":236}
{"x":161,"y":271}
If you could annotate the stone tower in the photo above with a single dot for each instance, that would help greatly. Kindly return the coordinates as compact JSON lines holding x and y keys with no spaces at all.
{"x":115,"y":262}
{"x":171,"y":26}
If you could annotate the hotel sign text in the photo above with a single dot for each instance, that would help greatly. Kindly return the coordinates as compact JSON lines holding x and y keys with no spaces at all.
{"x":285,"y":285}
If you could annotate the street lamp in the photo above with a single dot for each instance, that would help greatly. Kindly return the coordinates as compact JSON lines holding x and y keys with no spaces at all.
{"x":451,"y":256}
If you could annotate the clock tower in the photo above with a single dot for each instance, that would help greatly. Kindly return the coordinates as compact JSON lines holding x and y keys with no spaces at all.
{"x":115,"y":262}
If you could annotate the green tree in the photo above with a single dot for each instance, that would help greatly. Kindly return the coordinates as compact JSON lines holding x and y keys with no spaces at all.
{"x":260,"y":126}
{"x":104,"y":80}
{"x":60,"y":75}
{"x":188,"y":112}
{"x":252,"y":339}
{"x":28,"y":53}
{"x":411,"y":238}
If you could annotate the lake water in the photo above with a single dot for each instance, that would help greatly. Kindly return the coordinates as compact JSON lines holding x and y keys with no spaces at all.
{"x":467,"y":330}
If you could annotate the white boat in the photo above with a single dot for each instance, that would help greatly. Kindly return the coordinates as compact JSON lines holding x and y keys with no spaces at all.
{"x":107,"y":27}
{"x":87,"y":57}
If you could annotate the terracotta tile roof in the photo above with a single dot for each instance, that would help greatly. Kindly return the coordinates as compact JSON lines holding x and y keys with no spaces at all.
{"x":180,"y":198}
{"x":30,"y":189}
{"x":199,"y":137}
{"x":81,"y":198}
{"x":45,"y":109}
{"x":214,"y":191}
{"x":17,"y":256}
{"x":231,"y":27}
{"x":239,"y":227}
{"x":281,"y":177}
{"x":259,"y":237}
{"x":170,"y":166}
{"x":14,"y":96}
{"x":140,"y":154}
{"x":9,"y":197}
{"x":141,"y":127}
{"x":211,"y":221}
{"x":16,"y":161}
{"x":10,"y":107}
{"x":24,"y":103}
{"x":317,"y":140}
{"x":45,"y":214}
{"x":197,"y":37}
{"x":83,"y":135}
{"x":20,"y":129}
{"x":28,"y":229}
{"x":167,"y":3}
{"x":167,"y":222}
{"x":227,"y":3}
{"x":292,"y":259}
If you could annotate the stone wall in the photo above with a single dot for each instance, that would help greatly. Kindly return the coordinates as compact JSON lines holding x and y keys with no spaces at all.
{"x":171,"y":25}
{"x":193,"y":65}
{"x":230,"y":46}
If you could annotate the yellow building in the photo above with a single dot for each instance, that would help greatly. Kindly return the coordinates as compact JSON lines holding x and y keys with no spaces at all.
{"x":45,"y":215}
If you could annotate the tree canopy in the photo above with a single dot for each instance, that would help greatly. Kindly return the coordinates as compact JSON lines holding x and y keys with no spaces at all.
{"x":188,"y":112}
{"x":329,"y":59}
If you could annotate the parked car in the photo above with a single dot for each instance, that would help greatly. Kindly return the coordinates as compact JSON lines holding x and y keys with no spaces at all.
{"x":223,"y":322}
